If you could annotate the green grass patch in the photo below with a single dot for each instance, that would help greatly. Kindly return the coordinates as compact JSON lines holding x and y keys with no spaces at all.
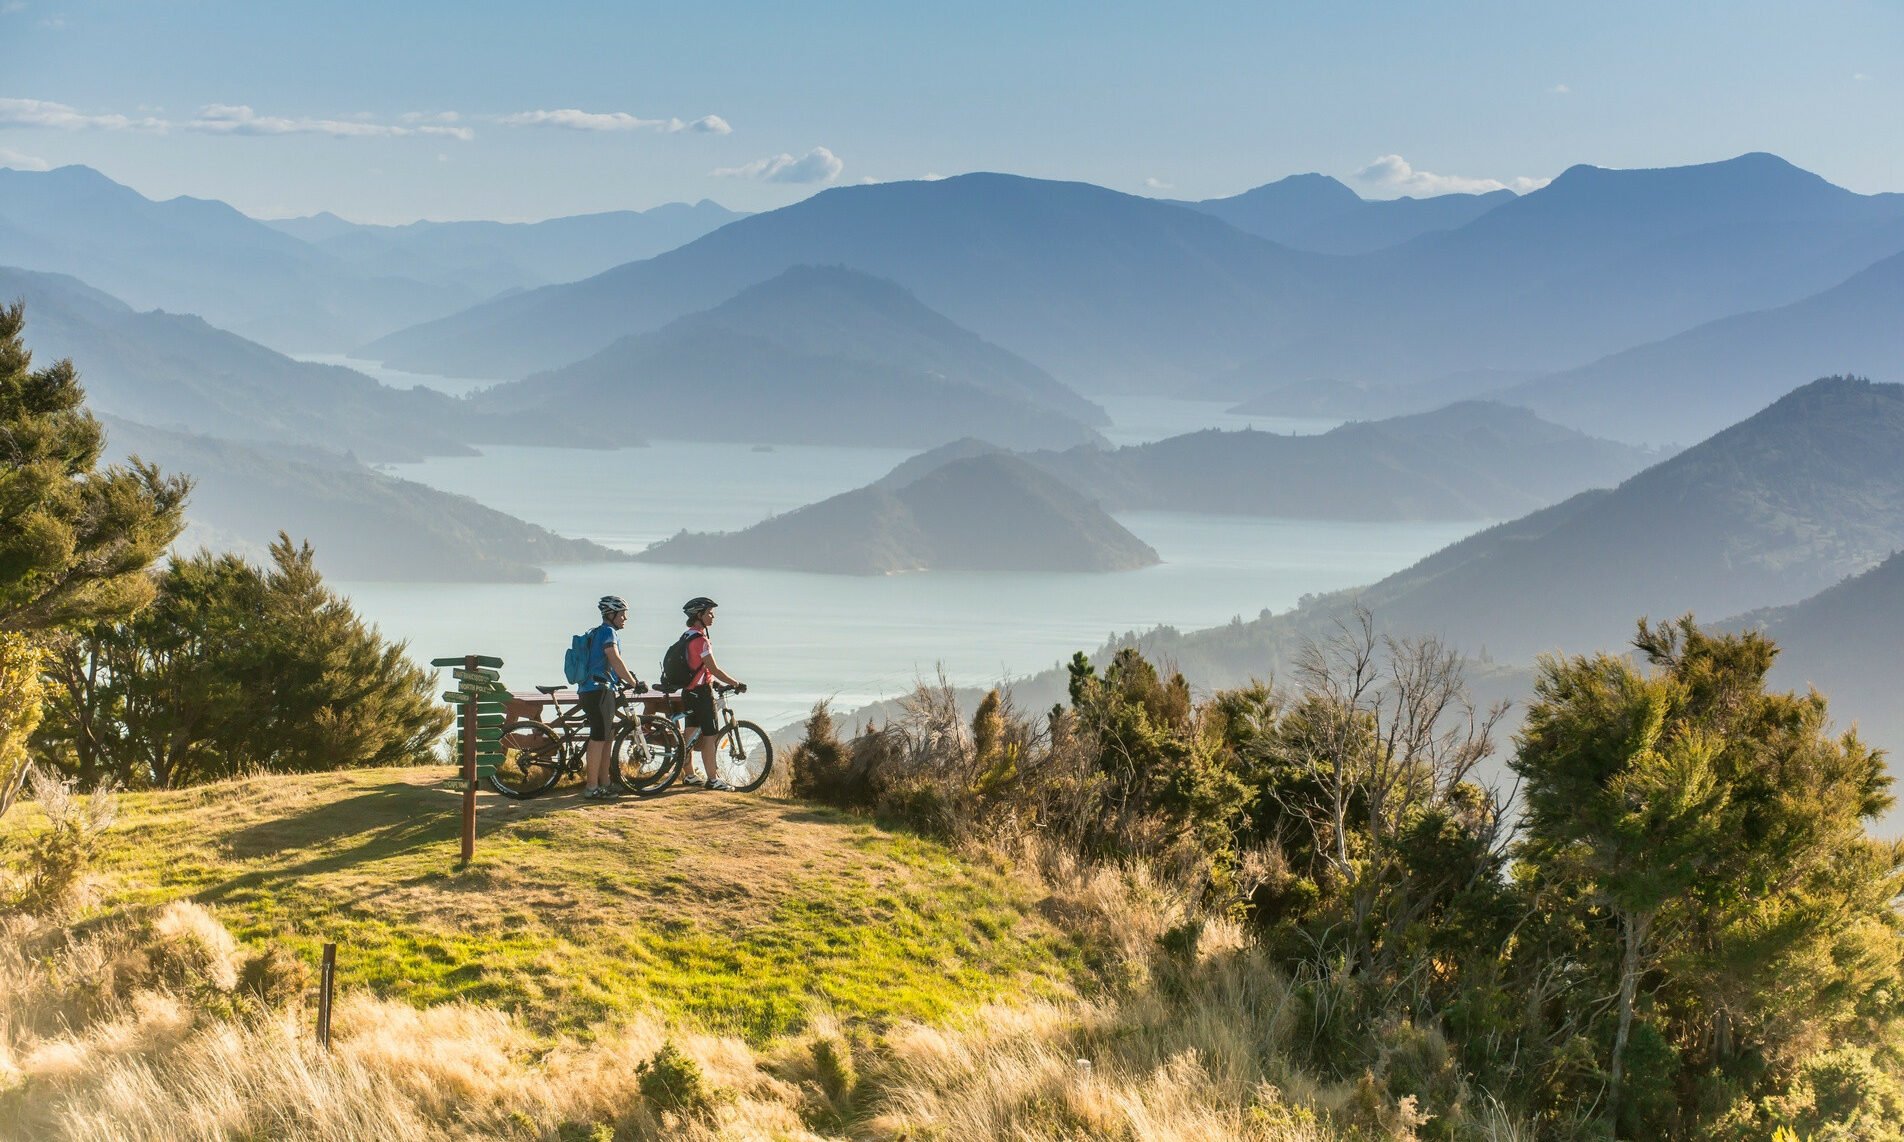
{"x":739,"y":912}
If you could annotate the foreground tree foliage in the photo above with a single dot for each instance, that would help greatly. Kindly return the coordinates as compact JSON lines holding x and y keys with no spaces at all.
{"x":235,"y":669}
{"x":75,"y":539}
{"x":1686,"y":933}
{"x":1713,"y":834}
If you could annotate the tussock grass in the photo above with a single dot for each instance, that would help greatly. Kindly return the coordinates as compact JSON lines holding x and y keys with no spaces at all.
{"x":142,"y":1016}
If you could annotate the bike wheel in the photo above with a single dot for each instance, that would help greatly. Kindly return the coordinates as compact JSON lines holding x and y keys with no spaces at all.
{"x":646,"y":762}
{"x":745,"y":757}
{"x":531,"y":760}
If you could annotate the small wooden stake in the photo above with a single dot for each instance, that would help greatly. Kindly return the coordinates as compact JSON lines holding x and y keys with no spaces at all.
{"x":326,"y":980}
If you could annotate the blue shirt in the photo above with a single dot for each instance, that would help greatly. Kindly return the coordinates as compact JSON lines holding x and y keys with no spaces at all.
{"x":595,"y":671}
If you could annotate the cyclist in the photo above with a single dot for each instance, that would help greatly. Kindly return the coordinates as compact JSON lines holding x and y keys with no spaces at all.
{"x":698,"y":695}
{"x":602,"y":676}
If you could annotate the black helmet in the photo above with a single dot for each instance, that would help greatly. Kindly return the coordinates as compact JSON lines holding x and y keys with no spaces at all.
{"x":697,"y":604}
{"x":609,"y":604}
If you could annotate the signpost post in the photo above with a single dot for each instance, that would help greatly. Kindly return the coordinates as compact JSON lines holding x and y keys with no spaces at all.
{"x":478,"y":696}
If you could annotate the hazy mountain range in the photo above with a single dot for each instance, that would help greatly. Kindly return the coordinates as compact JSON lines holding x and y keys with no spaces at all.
{"x":361,"y":523}
{"x":178,"y":372}
{"x":815,"y":355}
{"x":1318,"y":213}
{"x":1595,"y":262}
{"x":1696,"y":382}
{"x":489,"y":258}
{"x":1111,"y":293}
{"x":1104,"y":290}
{"x":1848,"y":642}
{"x":1771,"y":510}
{"x":987,"y":512}
{"x":1469,"y":460}
{"x":190,"y":255}
{"x":1371,"y":307}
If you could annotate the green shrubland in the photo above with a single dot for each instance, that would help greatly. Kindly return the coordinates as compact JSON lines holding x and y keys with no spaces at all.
{"x":1681,"y":928}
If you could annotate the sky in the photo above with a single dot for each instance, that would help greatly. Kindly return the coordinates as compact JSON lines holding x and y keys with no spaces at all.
{"x":387,"y":112}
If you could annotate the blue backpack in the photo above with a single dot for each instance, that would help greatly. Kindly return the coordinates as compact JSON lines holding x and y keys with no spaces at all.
{"x":575,"y":659}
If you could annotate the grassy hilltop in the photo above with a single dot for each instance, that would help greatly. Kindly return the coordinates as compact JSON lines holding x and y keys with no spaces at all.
{"x":741,"y":913}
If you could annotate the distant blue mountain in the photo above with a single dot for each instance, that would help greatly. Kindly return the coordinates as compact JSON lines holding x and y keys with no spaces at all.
{"x":1689,"y":385}
{"x":1595,"y":262}
{"x":493,"y":257}
{"x":1848,"y":642}
{"x":1316,"y":212}
{"x":189,"y":255}
{"x":1107,"y":291}
{"x":177,"y":372}
{"x":817,"y":355}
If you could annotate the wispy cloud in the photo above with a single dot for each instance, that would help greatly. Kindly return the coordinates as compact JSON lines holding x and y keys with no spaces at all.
{"x":573,"y":119}
{"x":1392,"y":172}
{"x":1560,"y":89}
{"x":228,"y":119}
{"x":21,"y":162}
{"x":41,"y":113}
{"x":11,"y":6}
{"x":237,"y":119}
{"x":1159,"y":184}
{"x":817,"y":165}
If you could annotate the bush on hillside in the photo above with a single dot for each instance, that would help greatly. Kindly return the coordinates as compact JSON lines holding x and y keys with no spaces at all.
{"x":1696,"y":937}
{"x":58,"y":856}
{"x":235,"y":669}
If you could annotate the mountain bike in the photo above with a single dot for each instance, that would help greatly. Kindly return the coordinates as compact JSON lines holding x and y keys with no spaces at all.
{"x":643,"y":757}
{"x":744,"y":758}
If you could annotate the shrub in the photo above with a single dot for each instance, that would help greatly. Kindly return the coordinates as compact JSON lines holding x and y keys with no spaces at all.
{"x":275,"y":976}
{"x":672,"y":1082}
{"x":58,"y":856}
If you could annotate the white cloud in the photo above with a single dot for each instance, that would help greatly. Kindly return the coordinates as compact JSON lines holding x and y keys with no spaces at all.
{"x":430,"y":117}
{"x":12,"y":6}
{"x":222,"y":119}
{"x":1159,"y":184}
{"x":237,"y":119}
{"x":573,"y":119}
{"x":1560,"y":89}
{"x":41,"y":113}
{"x":817,"y":165}
{"x":1860,"y":77}
{"x":21,"y":162}
{"x":1392,"y":172}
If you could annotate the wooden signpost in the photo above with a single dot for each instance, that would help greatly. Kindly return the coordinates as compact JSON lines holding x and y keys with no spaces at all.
{"x":478,"y":696}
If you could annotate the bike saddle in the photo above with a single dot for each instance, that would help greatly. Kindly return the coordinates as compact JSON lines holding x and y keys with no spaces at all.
{"x":551,"y":689}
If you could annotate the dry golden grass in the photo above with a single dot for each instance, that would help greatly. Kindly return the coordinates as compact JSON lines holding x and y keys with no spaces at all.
{"x":138,"y":1021}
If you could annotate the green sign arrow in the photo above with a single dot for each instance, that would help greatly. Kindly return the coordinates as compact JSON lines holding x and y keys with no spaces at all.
{"x":481,"y":660}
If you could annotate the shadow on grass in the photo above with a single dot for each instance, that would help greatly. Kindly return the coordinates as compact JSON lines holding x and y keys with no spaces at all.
{"x":389,"y":821}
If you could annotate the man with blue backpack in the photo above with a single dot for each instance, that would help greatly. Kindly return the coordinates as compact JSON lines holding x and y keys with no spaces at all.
{"x":595,"y":665}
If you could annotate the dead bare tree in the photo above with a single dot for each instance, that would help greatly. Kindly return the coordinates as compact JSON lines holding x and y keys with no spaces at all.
{"x":1383,"y":730}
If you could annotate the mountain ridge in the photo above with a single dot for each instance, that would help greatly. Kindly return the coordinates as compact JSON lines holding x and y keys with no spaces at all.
{"x":985,"y":512}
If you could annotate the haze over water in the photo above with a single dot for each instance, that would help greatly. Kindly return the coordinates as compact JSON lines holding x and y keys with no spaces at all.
{"x":796,"y":638}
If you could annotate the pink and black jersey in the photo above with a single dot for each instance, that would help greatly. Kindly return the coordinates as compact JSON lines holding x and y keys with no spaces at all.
{"x":698,"y":651}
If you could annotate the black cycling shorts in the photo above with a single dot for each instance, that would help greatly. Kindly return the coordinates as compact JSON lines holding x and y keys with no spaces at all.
{"x":699,"y":704}
{"x":596,"y":705}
